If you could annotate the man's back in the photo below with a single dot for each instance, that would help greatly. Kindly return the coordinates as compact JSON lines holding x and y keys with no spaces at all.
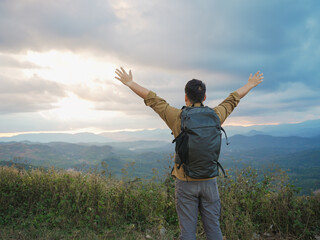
{"x":172,"y":117}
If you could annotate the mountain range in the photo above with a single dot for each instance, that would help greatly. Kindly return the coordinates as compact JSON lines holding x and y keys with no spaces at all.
{"x":305,"y":129}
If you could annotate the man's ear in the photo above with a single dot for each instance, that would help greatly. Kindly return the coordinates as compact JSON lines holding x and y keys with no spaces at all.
{"x":205,"y":97}
{"x":187,"y":101}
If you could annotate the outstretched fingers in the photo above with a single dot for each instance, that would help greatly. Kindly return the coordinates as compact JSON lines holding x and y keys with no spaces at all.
{"x":123,"y":71}
{"x":257,"y":75}
{"x":260,"y":77}
{"x":256,"y":79}
{"x":123,"y":76}
{"x":118,"y":71}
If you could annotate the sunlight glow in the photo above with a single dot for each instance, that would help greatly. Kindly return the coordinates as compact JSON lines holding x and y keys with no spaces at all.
{"x":73,"y":108}
{"x":68,"y":68}
{"x":72,"y":70}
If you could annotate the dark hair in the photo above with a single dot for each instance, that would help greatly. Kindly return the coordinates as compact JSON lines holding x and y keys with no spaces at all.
{"x":195,"y":90}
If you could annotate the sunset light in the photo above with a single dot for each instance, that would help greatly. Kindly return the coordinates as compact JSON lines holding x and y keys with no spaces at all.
{"x":68,"y":67}
{"x":72,"y":108}
{"x":60,"y":75}
{"x":71,"y":70}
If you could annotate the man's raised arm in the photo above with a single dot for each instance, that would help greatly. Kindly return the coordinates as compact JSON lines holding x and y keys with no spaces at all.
{"x":253,"y":81}
{"x":225,"y":108}
{"x":127,"y":80}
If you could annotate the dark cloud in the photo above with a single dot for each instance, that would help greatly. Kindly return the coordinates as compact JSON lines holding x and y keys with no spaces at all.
{"x":236,"y":37}
{"x":220,"y":42}
{"x":44,"y":25}
{"x":290,"y":98}
{"x":28,"y":95}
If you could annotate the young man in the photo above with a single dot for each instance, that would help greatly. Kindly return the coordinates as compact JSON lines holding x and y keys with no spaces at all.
{"x":192,"y":194}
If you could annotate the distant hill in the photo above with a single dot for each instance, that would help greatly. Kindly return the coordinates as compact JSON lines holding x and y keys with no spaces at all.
{"x":304,"y":129}
{"x":297,"y":155}
{"x":240,"y":142}
{"x":107,"y":137}
{"x":58,"y":137}
{"x":62,"y":155}
{"x":141,"y":135}
{"x":309,"y":128}
{"x":263,"y":149}
{"x":82,"y":156}
{"x":144,"y":146}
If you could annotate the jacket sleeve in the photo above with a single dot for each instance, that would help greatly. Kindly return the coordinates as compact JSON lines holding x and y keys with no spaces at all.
{"x":225,"y":108}
{"x":168,"y":113}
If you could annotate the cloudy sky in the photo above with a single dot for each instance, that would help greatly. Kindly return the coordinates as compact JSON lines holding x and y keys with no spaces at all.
{"x":57,"y":60}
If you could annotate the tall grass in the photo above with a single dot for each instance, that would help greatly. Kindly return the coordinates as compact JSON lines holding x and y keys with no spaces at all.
{"x":76,"y":205}
{"x":268,"y":207}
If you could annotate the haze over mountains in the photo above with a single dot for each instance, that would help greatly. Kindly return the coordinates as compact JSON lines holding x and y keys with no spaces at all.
{"x":305,"y":129}
{"x":309,"y":128}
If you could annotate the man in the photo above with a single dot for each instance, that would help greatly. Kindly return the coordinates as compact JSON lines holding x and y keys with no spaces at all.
{"x":192,"y":194}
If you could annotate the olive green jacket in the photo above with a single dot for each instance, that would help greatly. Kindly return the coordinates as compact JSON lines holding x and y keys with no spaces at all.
{"x":171,"y":116}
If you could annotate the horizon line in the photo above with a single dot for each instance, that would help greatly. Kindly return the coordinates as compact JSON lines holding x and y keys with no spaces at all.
{"x":101,"y":131}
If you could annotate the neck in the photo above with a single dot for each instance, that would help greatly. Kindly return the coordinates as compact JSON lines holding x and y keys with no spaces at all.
{"x":190,"y":104}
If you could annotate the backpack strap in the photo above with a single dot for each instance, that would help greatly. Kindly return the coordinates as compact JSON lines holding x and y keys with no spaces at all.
{"x":219,"y":166}
{"x":174,"y":140}
{"x":182,"y":132}
{"x":218,"y":163}
{"x":227,"y":142}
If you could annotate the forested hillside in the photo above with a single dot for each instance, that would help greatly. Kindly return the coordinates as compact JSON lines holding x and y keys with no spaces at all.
{"x":299,"y":156}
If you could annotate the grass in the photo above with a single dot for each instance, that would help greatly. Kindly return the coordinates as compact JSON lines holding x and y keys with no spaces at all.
{"x":56,"y":204}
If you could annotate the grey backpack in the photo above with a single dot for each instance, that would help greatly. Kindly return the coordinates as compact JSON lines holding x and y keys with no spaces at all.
{"x":199,"y":143}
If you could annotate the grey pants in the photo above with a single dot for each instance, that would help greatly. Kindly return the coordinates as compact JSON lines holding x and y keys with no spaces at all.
{"x":194,"y":195}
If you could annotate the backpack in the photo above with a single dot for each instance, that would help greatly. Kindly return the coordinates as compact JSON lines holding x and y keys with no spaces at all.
{"x":199,"y":143}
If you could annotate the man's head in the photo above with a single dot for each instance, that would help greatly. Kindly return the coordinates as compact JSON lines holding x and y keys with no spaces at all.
{"x":195,"y":92}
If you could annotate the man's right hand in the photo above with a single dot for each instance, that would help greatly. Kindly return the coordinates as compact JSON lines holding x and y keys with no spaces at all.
{"x":124,"y":77}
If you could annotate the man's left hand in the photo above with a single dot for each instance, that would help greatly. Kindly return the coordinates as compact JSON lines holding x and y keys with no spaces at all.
{"x":124,"y":77}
